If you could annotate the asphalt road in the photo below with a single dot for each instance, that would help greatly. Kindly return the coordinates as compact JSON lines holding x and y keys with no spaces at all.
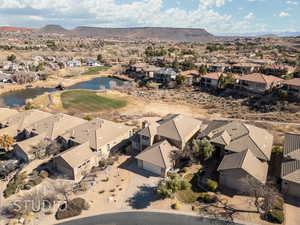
{"x":144,"y":218}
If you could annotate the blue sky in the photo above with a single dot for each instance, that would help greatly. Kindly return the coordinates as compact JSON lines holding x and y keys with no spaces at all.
{"x":216,"y":16}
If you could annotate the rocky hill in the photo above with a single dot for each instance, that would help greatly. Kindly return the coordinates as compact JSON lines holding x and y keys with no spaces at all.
{"x":144,"y":33}
{"x":53,"y":29}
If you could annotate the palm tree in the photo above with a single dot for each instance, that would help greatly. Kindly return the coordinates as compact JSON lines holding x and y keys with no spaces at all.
{"x":6,"y":142}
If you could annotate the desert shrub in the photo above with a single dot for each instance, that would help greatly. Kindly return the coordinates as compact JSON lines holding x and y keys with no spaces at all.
{"x":73,"y":208}
{"x":88,"y":118}
{"x":277,"y":149}
{"x":101,"y":192}
{"x":71,"y":211}
{"x":176,"y":206}
{"x":81,"y":203}
{"x":207,"y":198}
{"x":212,"y":185}
{"x":278,"y":204}
{"x":275,"y":216}
{"x":105,"y":180}
{"x":184,"y":170}
{"x":15,"y":184}
{"x":185,"y":185}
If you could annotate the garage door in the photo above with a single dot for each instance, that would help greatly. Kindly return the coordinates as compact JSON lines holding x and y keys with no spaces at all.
{"x":152,"y":168}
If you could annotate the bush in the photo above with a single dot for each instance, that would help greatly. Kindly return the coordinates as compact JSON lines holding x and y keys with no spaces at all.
{"x":275,"y":216}
{"x":88,"y":118}
{"x":16,"y":183}
{"x":81,"y":203}
{"x":278,"y":204}
{"x":176,"y":206}
{"x":185,"y":185}
{"x":101,"y":192}
{"x":184,"y":170}
{"x":167,"y":188}
{"x":212,"y":185}
{"x":73,"y":208}
{"x":207,"y":198}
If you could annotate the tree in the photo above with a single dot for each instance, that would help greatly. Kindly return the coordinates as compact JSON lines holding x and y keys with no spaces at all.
{"x":203,"y":70}
{"x":6,"y":142}
{"x":11,"y":58}
{"x":175,"y":65}
{"x":265,"y":196}
{"x":180,"y":80}
{"x":99,"y":58}
{"x":207,"y":149}
{"x":167,"y":188}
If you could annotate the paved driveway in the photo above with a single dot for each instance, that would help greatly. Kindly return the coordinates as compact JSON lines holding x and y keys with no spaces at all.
{"x":292,"y":212}
{"x":141,"y":189}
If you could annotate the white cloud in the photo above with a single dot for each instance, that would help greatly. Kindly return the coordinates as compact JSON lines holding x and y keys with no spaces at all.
{"x":249,"y":16}
{"x":283,"y":14}
{"x":291,"y":2}
{"x":208,"y":3}
{"x":111,"y":13}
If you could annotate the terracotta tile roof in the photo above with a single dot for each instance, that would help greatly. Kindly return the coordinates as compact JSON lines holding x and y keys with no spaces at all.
{"x":294,"y":82}
{"x":260,"y":78}
{"x":214,"y":76}
{"x":189,"y":72}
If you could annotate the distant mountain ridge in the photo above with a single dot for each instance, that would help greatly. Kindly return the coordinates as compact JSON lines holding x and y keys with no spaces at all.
{"x":9,"y":28}
{"x":139,"y":33}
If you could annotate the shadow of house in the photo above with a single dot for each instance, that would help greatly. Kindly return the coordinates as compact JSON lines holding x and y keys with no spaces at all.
{"x":143,"y":197}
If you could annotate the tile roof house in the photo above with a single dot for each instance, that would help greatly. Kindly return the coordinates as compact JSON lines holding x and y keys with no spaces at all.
{"x":236,"y":169}
{"x":16,"y":123}
{"x":5,"y":113}
{"x":211,"y":79}
{"x":245,"y":152}
{"x":292,"y":86}
{"x":290,"y":175}
{"x":237,"y":137}
{"x":192,"y":76}
{"x":177,"y":129}
{"x":45,"y":129}
{"x":102,"y":135}
{"x":259,"y":83}
{"x":290,"y":167}
{"x":76,"y":162}
{"x":157,"y":158}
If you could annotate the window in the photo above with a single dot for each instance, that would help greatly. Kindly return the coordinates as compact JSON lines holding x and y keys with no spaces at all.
{"x":145,"y":138}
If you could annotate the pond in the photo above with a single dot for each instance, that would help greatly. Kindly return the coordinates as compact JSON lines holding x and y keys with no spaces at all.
{"x":18,"y":98}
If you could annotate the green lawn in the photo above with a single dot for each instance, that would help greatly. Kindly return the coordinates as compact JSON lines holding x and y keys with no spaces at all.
{"x":95,"y":70}
{"x":89,"y":101}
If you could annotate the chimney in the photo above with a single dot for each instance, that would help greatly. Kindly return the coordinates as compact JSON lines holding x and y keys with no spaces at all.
{"x":145,"y":124}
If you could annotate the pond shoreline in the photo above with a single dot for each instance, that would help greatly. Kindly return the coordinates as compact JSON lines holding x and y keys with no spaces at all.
{"x":18,"y":97}
{"x":51,"y":83}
